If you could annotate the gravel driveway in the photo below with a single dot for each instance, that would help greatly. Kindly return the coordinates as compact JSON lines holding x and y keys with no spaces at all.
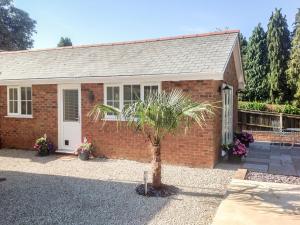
{"x":64,"y":190}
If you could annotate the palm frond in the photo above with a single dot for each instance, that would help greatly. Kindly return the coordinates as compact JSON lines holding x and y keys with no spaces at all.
{"x":159,"y":114}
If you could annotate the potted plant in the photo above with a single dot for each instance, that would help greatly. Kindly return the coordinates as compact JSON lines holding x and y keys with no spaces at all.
{"x":43,"y":146}
{"x":246,"y":138}
{"x":85,"y":150}
{"x":236,"y":151}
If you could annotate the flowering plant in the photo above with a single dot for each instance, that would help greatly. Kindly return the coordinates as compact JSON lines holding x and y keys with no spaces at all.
{"x":85,"y":147}
{"x":245,"y":138}
{"x":44,"y":146}
{"x":239,"y":149}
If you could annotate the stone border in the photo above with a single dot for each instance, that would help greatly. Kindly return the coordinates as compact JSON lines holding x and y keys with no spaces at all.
{"x":240,"y":174}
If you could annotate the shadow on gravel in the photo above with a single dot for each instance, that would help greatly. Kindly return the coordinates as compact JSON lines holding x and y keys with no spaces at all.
{"x":28,"y":154}
{"x":27,"y":198}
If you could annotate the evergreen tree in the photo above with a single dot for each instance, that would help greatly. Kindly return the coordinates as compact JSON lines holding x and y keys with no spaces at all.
{"x":243,"y":50}
{"x":278,"y":41}
{"x":63,"y":42}
{"x":296,"y":23}
{"x":257,"y":66}
{"x":294,"y":67}
{"x":243,"y":46}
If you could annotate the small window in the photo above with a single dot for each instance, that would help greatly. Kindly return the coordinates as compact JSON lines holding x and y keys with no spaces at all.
{"x":132,"y":93}
{"x":113,"y":97}
{"x":26,"y":101}
{"x":13,"y":101}
{"x":19,"y":101}
{"x":70,"y":98}
{"x":148,"y":89}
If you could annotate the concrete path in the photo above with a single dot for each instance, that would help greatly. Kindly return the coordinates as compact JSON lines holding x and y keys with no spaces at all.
{"x":256,"y":203}
{"x":264,"y":157}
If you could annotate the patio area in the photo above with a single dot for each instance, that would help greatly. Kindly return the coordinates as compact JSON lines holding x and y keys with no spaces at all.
{"x":273,"y":159}
{"x":64,"y":190}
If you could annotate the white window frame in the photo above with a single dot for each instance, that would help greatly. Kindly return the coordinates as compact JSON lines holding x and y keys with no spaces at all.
{"x":121,"y":88}
{"x":18,"y":114}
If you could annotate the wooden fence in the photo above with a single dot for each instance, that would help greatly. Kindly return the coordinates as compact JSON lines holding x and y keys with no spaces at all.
{"x":262,"y":121}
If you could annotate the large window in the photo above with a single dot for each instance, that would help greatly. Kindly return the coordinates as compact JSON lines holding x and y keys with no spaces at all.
{"x":19,"y":101}
{"x":120,"y":96}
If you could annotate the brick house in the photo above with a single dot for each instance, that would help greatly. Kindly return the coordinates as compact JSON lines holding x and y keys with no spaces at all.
{"x":52,"y":90}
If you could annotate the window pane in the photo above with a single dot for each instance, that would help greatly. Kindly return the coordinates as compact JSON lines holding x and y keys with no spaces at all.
{"x":15,"y":110}
{"x":23,"y":107}
{"x":109,"y":93}
{"x":15,"y":94}
{"x":154,"y":89}
{"x":23,"y":93}
{"x":11,"y":107}
{"x":11,"y":93}
{"x":136,"y":92}
{"x":29,"y":108}
{"x":116,"y":93}
{"x":127,"y":92}
{"x":70,"y":98}
{"x":146,"y":92}
{"x":116,"y":105}
{"x":28,"y":93}
{"x":150,"y":89}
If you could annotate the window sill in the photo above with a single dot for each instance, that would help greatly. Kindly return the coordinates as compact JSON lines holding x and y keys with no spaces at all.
{"x":19,"y":116}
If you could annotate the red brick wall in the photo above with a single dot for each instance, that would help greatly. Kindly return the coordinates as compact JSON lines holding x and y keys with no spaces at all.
{"x":22,"y":132}
{"x":198,"y":147}
{"x":195,"y":148}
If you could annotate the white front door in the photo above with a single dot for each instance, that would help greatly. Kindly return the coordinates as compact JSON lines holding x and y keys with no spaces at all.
{"x":69,"y":111}
{"x":227,"y":115}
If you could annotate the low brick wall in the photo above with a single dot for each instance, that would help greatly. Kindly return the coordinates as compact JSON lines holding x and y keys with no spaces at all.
{"x":270,"y":136}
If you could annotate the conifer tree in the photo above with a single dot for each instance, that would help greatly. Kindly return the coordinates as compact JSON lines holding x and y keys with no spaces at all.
{"x":278,"y":41}
{"x":294,"y":67}
{"x":257,"y":66}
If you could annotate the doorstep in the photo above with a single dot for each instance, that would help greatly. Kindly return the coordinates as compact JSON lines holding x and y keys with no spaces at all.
{"x":62,"y":151}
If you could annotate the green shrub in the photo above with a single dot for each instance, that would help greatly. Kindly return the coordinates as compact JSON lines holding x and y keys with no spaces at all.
{"x":290,"y":109}
{"x":259,"y":106}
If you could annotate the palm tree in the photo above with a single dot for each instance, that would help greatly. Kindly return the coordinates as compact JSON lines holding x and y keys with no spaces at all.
{"x":160,"y":114}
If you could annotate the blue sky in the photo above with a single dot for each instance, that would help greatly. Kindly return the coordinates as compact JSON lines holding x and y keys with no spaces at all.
{"x":97,"y":21}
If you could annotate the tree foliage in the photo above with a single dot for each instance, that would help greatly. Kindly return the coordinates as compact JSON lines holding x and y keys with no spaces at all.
{"x":64,"y":41}
{"x":294,"y":67}
{"x":278,"y":40}
{"x":296,"y":23}
{"x":256,"y":66}
{"x":243,"y":46}
{"x":16,"y":27}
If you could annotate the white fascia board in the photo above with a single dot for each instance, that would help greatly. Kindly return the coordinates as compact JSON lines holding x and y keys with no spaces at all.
{"x":235,"y":51}
{"x":117,"y":79}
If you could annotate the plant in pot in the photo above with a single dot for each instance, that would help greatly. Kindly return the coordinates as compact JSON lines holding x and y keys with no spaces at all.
{"x":246,"y":138}
{"x":236,"y":151}
{"x":44,"y":146}
{"x":85,"y":150}
{"x":158,"y":115}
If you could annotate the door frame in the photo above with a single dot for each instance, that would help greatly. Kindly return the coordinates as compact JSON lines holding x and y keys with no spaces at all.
{"x":224,"y":125}
{"x":60,"y":88}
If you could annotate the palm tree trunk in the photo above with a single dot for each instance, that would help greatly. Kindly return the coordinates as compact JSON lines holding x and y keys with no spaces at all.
{"x":156,"y":166}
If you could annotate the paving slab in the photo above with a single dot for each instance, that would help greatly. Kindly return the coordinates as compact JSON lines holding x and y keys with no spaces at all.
{"x":278,"y":160}
{"x":256,"y":167}
{"x":256,"y":203}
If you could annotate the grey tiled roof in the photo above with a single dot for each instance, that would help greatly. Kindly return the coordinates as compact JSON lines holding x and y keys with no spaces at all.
{"x":207,"y":53}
